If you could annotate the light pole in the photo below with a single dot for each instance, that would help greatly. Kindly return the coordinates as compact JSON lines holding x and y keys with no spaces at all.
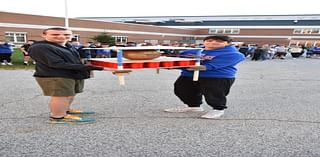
{"x":66,"y":19}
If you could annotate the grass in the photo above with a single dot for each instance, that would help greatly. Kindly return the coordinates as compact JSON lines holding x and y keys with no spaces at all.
{"x":17,"y":61}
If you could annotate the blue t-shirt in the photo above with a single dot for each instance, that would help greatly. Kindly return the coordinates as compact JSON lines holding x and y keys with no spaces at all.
{"x":103,"y":52}
{"x":6,"y":48}
{"x":222,"y":64}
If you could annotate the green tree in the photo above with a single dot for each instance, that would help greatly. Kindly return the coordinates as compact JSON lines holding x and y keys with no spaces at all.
{"x":105,"y":38}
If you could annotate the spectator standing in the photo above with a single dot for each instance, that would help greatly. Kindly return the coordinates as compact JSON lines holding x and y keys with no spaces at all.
{"x":103,"y":53}
{"x":260,"y":53}
{"x":244,"y":49}
{"x":281,"y":52}
{"x":295,"y":51}
{"x":84,"y":53}
{"x":6,"y":51}
{"x":316,"y":51}
{"x":25,"y":50}
{"x":309,"y":52}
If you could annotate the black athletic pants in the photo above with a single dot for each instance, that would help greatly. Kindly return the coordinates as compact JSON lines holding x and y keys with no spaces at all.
{"x":5,"y":56}
{"x":214,"y":91}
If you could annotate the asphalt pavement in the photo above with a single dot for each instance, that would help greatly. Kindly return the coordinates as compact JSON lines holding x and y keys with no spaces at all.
{"x":273,"y":111}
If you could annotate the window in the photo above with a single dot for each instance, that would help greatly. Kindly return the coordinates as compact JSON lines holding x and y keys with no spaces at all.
{"x":220,"y":31}
{"x":213,"y":31}
{"x":75,"y":37}
{"x":16,"y":37}
{"x":188,"y":40}
{"x":228,"y":31}
{"x":121,"y":39}
{"x":235,"y":31}
{"x":297,"y":31}
{"x":166,"y":41}
{"x":224,"y":31}
{"x":153,"y":42}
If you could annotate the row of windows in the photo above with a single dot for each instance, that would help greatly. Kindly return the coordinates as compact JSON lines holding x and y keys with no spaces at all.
{"x":307,"y":43}
{"x":307,"y":31}
{"x":19,"y":37}
{"x":224,"y":31}
{"x":237,"y":31}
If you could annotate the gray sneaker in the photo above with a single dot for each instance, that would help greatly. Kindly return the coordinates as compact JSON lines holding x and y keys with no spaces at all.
{"x":182,"y":109}
{"x":213,"y":114}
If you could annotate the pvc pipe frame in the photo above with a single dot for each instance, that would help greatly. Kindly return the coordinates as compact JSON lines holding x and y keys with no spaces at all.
{"x":196,"y":72}
{"x":120,"y":66}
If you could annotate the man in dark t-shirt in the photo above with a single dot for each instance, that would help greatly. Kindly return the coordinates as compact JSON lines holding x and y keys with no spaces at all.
{"x":25,"y":50}
{"x":60,"y":74}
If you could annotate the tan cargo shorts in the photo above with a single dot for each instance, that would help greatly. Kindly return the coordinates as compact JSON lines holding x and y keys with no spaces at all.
{"x":58,"y":86}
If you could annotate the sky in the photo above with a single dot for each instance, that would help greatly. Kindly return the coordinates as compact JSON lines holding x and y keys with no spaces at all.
{"x":133,"y":8}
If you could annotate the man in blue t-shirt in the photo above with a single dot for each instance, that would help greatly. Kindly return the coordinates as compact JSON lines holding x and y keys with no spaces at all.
{"x":6,"y":51}
{"x":217,"y":74}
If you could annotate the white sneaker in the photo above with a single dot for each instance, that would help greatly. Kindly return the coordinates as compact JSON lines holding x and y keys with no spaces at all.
{"x":213,"y":114}
{"x":3,"y":63}
{"x":181,"y":109}
{"x":9,"y":63}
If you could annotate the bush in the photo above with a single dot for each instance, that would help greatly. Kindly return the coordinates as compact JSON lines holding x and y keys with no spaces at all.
{"x":105,"y":38}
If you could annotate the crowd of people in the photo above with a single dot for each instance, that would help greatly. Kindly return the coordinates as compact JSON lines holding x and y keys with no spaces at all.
{"x":265,"y":52}
{"x":253,"y":51}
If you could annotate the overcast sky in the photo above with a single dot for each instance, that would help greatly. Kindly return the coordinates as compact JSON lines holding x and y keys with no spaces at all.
{"x":124,"y":8}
